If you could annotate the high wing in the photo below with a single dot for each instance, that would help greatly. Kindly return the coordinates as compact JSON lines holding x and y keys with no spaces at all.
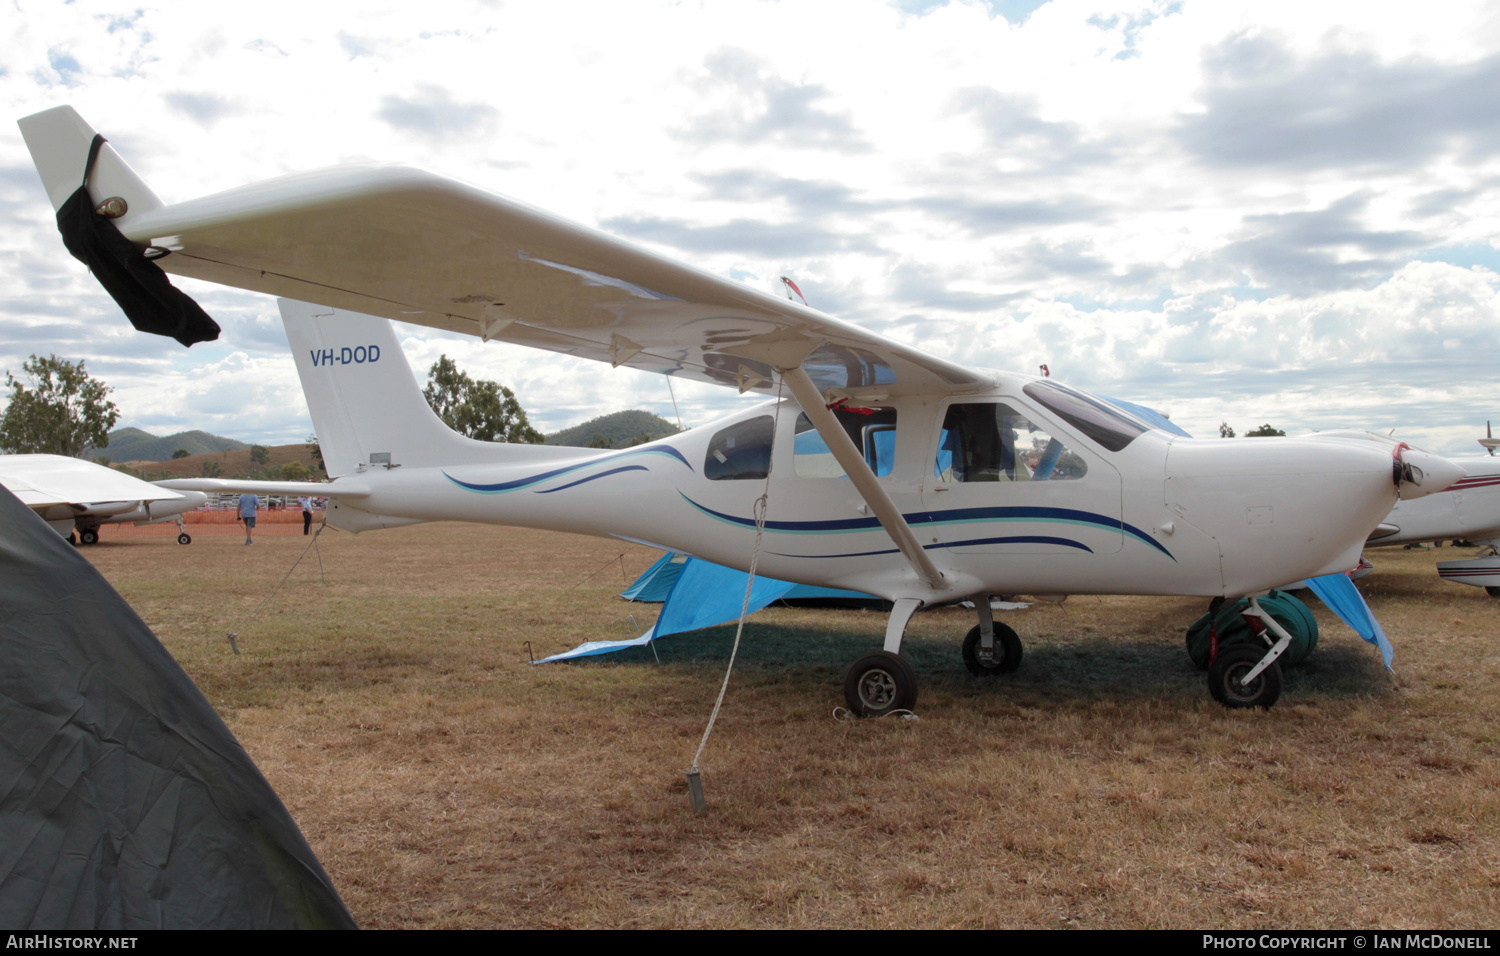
{"x":41,"y":481}
{"x":417,"y":247}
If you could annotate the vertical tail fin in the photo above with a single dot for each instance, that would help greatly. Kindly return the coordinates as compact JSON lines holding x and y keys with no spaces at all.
{"x":364,"y":400}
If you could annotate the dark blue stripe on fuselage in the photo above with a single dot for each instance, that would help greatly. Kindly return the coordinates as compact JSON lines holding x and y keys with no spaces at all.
{"x":602,"y":474}
{"x":1015,"y":539}
{"x":1018,"y":539}
{"x":503,"y":486}
{"x":951,"y":516}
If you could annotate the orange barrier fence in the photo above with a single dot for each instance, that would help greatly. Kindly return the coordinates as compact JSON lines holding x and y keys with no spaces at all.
{"x":215,"y":523}
{"x":262,"y":517}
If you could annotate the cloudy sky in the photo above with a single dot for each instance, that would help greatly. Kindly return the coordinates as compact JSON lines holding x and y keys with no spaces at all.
{"x":1244,"y":212}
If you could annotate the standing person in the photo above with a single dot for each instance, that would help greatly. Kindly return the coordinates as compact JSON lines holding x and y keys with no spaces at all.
{"x":306,"y":504}
{"x":248,"y":504}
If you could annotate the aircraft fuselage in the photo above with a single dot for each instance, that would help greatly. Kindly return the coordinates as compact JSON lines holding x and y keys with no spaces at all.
{"x":1160,"y":515}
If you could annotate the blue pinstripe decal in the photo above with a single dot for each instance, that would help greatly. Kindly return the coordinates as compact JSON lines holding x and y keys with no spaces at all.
{"x":602,"y":474}
{"x":1018,"y":539}
{"x":501,"y":487}
{"x":950,"y":517}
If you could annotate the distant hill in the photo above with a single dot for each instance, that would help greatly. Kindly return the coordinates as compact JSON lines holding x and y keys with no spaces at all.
{"x":620,"y":428}
{"x":133,"y":444}
{"x":222,"y":464}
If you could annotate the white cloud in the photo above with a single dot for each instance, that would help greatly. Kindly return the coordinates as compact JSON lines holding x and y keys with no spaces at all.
{"x":1058,"y":189}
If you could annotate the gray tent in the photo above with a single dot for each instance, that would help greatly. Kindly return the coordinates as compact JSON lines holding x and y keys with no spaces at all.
{"x":125,"y":803}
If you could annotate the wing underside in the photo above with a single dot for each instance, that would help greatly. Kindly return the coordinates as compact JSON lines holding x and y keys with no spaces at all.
{"x":415,"y":247}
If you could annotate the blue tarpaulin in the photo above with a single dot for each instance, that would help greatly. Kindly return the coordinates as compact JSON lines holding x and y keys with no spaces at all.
{"x":1338,"y":592}
{"x":703,"y":595}
{"x":656,"y":583}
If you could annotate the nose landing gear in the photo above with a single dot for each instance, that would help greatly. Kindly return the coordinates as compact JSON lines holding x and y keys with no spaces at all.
{"x":1246,"y":675}
{"x":1230,"y":684}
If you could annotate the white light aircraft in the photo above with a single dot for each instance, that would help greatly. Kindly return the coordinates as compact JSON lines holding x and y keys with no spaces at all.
{"x":76,"y":495}
{"x":1468,"y":509}
{"x":927,"y":482}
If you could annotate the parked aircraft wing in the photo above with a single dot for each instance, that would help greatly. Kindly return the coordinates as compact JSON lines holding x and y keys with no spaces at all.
{"x":41,"y":480}
{"x":417,"y":247}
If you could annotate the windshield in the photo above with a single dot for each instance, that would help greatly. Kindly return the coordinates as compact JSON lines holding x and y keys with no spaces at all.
{"x":1111,"y":428}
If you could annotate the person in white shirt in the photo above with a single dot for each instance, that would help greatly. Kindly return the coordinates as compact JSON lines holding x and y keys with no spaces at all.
{"x":306,"y":504}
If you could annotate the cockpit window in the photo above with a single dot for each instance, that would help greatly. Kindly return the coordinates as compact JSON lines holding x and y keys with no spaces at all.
{"x":873,"y":431}
{"x":993,"y":442}
{"x":1111,"y":428}
{"x":741,"y":451}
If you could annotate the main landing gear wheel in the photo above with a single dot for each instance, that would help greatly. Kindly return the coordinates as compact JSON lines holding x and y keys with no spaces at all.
{"x":1003,"y":659}
{"x":1226,"y":678}
{"x":89,"y":536}
{"x":880,"y":683}
{"x":184,"y":538}
{"x":1491,"y":590}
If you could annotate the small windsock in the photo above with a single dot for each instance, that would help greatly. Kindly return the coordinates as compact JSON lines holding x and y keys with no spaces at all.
{"x":1045,"y":373}
{"x":792,"y":292}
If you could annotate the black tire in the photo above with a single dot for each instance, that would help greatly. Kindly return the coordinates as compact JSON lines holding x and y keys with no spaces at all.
{"x":880,"y":683}
{"x":184,"y":538}
{"x":1007,"y":654}
{"x":1233,"y":663}
{"x":89,"y":536}
{"x":1492,"y":591}
{"x":72,"y":539}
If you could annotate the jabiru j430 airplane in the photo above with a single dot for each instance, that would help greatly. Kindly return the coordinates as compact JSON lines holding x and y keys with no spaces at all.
{"x":927,"y":481}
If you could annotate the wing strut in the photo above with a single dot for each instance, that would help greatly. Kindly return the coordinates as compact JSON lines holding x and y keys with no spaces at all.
{"x":859,"y":472}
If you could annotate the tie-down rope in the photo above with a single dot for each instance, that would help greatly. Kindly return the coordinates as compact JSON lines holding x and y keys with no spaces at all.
{"x":759,"y":510}
{"x":265,"y":600}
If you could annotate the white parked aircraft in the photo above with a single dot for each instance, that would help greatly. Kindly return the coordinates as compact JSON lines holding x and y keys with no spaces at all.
{"x":75,"y":495}
{"x":1468,"y":509}
{"x":950,"y":482}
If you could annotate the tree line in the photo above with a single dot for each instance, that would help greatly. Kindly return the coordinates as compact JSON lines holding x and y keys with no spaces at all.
{"x":64,"y":410}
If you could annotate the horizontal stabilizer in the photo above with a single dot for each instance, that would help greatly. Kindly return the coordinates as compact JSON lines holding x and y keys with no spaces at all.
{"x":231,"y":486}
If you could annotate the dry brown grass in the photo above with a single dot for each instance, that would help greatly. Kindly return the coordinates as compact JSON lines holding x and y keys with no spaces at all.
{"x":445,"y":783}
{"x":232,"y":462}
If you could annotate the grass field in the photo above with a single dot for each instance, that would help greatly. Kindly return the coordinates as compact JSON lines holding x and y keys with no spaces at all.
{"x":444,"y":782}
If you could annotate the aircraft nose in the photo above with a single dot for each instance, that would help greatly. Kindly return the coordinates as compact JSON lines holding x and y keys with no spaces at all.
{"x":1281,"y":509}
{"x":1420,"y":473}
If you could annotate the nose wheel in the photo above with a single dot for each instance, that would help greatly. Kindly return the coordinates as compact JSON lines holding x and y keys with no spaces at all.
{"x":1227,"y":678}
